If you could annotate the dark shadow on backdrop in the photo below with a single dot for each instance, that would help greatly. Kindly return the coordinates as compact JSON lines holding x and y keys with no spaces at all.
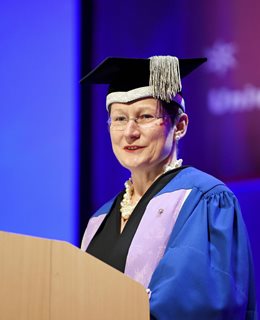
{"x":85,"y":203}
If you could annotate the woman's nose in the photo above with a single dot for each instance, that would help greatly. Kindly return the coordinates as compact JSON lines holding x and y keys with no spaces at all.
{"x":132,"y":130}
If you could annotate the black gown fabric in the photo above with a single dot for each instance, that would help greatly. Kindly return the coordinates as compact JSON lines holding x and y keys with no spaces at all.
{"x":111,"y":246}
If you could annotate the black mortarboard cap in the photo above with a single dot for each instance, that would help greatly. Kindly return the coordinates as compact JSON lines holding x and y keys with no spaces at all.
{"x":161,"y":73}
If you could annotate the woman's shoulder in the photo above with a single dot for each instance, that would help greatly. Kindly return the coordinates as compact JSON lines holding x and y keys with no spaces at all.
{"x":104,"y":209}
{"x":193,"y":178}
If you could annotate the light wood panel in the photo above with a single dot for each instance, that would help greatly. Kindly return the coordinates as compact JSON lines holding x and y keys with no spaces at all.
{"x":41,"y":279}
{"x":24,"y":277}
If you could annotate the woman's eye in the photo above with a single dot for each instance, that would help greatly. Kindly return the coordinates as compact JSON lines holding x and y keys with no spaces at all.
{"x":146,"y":116}
{"x":120,"y":119}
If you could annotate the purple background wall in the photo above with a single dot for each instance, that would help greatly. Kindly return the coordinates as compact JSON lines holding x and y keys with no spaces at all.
{"x":223,"y":97}
{"x":38,"y":118}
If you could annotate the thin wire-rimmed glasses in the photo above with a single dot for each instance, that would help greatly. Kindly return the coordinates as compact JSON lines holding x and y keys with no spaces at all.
{"x":119,"y":123}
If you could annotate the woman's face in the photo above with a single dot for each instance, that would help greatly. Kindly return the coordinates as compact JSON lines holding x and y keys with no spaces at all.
{"x":145,"y":148}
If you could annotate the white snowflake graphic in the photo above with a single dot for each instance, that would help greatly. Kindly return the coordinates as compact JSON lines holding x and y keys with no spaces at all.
{"x":221,"y":57}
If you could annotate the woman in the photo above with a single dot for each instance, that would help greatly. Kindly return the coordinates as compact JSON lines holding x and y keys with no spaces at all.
{"x":176,"y":230}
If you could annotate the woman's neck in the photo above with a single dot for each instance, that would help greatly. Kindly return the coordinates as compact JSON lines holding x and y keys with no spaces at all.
{"x":142,"y":179}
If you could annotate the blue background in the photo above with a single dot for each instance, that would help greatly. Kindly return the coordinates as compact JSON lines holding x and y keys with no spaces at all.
{"x":39,"y":54}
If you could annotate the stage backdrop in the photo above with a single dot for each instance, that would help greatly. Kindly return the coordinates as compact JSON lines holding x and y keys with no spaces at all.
{"x":222,"y":97}
{"x":38,"y":118}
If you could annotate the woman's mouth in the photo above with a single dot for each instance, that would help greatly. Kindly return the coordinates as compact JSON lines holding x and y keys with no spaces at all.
{"x":132,"y":148}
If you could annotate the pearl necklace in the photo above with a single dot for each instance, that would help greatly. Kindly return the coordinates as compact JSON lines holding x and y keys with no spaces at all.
{"x":127,"y":207}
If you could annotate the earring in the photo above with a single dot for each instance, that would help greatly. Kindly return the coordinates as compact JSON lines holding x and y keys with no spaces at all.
{"x":177,"y":137}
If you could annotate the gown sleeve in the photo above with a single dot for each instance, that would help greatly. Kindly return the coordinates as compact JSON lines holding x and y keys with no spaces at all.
{"x":206,"y":272}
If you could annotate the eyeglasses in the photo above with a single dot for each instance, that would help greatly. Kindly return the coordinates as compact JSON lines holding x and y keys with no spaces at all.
{"x":119,"y":123}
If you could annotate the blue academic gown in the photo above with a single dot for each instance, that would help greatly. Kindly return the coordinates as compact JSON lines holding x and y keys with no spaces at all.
{"x":206,"y":271}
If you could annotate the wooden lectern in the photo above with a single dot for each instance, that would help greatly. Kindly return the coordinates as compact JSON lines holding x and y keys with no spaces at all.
{"x":42,"y":279}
